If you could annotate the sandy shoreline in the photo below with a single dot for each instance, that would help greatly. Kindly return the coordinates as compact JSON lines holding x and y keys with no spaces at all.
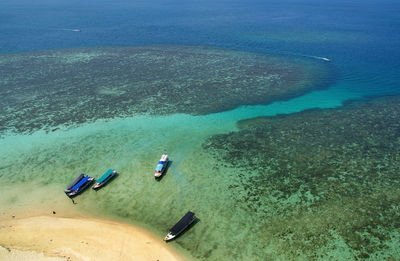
{"x":18,"y":255}
{"x":79,"y":239}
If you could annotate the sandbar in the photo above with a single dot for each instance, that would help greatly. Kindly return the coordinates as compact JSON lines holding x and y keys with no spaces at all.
{"x":79,"y":238}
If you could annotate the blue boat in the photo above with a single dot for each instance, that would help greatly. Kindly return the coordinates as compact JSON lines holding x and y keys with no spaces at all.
{"x":161,"y":166}
{"x":78,"y":185}
{"x":103,"y":180}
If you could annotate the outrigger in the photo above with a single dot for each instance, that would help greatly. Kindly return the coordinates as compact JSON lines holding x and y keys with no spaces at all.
{"x":105,"y":178}
{"x":179,"y":227}
{"x":161,"y":166}
{"x":78,"y":185}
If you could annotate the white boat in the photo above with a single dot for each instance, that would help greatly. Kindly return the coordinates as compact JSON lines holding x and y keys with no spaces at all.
{"x":161,"y":166}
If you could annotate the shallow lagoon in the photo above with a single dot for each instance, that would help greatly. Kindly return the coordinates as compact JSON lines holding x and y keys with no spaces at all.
{"x":244,"y":211}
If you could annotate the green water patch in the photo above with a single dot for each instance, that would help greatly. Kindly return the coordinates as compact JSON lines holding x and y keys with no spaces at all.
{"x":323,"y":184}
{"x":43,"y":90}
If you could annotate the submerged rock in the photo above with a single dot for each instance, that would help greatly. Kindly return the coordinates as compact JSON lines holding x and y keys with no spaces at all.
{"x":42,"y":90}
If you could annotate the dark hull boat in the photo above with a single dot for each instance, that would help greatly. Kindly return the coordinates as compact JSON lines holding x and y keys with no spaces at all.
{"x":105,"y":179}
{"x":179,"y":227}
{"x":78,"y":185}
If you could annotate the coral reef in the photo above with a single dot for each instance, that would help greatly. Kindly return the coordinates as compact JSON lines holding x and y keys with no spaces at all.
{"x":320,"y":181}
{"x":42,"y":90}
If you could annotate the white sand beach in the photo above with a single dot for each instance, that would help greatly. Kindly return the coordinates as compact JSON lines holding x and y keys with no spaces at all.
{"x":48,"y":237}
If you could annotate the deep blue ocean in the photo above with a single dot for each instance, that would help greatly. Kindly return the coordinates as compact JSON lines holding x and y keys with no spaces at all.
{"x":361,"y":37}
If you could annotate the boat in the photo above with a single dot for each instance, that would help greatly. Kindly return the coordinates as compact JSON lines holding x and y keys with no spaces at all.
{"x":161,"y":166}
{"x":103,"y":180}
{"x":78,"y":185}
{"x":76,"y":180}
{"x":326,"y":59}
{"x":179,"y":227}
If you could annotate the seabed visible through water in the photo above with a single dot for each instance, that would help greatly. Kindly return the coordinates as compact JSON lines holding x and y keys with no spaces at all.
{"x":257,"y":190}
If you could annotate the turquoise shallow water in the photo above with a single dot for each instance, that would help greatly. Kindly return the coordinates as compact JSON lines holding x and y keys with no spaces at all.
{"x":196,"y":180}
{"x":132,"y":146}
{"x":361,"y":38}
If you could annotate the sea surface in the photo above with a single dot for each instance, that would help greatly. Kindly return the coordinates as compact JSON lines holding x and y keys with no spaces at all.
{"x":361,"y":38}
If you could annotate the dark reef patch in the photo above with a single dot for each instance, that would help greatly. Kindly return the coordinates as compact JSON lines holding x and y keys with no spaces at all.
{"x":320,"y":177}
{"x":42,"y":90}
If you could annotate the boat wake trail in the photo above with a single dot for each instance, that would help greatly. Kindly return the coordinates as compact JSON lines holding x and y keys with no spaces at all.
{"x":305,"y":55}
{"x":321,"y":58}
{"x":71,"y":30}
{"x":312,"y":56}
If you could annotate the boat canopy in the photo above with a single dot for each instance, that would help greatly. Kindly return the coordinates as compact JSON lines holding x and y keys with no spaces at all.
{"x":183,"y":223}
{"x":105,"y":176}
{"x":76,"y":180}
{"x":80,"y":183}
{"x":159,"y":166}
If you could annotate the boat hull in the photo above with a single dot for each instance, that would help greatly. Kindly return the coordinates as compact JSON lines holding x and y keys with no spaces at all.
{"x":97,"y":186}
{"x":158,"y":175}
{"x":169,"y":237}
